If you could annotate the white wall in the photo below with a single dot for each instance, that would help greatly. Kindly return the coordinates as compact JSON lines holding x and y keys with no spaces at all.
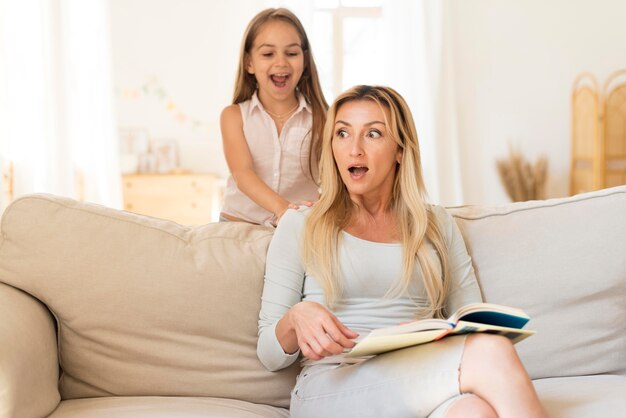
{"x":191,"y":50}
{"x":515,"y":62}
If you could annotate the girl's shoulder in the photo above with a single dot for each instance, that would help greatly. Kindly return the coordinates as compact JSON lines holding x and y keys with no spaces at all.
{"x":231,"y":111}
{"x":231,"y":118}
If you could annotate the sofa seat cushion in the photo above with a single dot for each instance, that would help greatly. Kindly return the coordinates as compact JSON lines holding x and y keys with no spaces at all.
{"x":563,"y":262}
{"x":584,"y":396}
{"x":164,"y":407}
{"x":144,"y":306}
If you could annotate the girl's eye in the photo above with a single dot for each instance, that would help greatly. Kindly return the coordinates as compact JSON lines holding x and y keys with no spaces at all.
{"x":374,"y":134}
{"x":267,"y":54}
{"x":293,"y":54}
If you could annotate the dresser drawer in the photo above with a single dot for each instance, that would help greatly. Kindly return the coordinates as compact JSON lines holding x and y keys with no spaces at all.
{"x":189,"y":199}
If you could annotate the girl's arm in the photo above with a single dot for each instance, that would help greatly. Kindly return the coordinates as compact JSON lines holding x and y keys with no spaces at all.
{"x":239,"y":162}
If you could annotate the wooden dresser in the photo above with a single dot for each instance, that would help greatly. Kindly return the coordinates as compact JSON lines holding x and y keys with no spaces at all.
{"x":188,"y":199}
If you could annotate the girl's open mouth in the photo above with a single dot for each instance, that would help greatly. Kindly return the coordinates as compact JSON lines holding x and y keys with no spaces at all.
{"x":279,"y":80}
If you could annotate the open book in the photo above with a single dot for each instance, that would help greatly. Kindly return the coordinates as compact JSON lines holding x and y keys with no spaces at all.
{"x":476,"y":317}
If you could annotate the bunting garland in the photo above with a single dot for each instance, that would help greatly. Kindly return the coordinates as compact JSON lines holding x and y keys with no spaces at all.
{"x":154,"y":89}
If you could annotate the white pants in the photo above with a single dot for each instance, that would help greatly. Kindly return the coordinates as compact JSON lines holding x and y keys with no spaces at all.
{"x":415,"y":382}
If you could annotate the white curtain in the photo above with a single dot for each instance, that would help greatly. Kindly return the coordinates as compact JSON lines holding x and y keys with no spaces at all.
{"x":419,"y":60}
{"x":57,"y":121}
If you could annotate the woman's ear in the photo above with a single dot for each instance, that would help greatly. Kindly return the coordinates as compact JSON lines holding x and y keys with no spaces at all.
{"x":399,"y":155}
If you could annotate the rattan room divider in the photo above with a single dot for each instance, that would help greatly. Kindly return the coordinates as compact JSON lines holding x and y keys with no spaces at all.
{"x":598,"y":133}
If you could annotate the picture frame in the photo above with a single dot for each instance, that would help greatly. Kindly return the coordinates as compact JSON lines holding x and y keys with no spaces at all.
{"x":165,"y":152}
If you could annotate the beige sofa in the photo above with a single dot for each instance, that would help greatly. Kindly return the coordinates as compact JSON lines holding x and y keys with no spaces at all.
{"x":105,"y":313}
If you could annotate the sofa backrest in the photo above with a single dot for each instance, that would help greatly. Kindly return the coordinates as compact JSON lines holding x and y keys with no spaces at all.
{"x":564,"y":262}
{"x":144,"y":306}
{"x":148,"y":307}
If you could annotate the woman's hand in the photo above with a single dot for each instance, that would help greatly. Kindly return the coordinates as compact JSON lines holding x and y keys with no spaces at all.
{"x":319,"y":332}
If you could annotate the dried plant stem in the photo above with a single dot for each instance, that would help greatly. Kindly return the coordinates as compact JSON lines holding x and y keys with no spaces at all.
{"x":521,"y":179}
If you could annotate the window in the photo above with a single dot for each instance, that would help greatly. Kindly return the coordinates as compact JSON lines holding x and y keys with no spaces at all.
{"x":353,"y":29}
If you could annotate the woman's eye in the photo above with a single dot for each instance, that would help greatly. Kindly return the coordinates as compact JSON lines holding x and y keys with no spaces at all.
{"x":374,"y":134}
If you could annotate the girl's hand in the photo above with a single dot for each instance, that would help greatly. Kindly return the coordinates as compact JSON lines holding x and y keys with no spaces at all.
{"x":295,"y":206}
{"x":319,"y":332}
{"x":302,"y":203}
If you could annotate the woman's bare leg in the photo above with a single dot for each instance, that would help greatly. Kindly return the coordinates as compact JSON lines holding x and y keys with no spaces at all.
{"x":491,"y":369}
{"x":471,"y":407}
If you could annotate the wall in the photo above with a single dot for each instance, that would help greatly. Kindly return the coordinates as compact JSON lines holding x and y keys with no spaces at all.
{"x":515,"y":62}
{"x":169,"y":59}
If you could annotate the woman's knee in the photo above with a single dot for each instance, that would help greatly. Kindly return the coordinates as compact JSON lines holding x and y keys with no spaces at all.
{"x":489,"y":360}
{"x":471,"y":406}
{"x":490,"y":346}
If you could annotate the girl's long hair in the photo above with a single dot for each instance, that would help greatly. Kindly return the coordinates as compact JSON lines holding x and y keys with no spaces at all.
{"x":309,"y":84}
{"x":416,"y":222}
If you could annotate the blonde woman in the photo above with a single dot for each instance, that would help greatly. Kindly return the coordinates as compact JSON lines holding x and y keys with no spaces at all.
{"x":372,"y":253}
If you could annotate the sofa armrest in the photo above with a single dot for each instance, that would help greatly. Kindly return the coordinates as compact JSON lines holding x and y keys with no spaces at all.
{"x":29,"y":368}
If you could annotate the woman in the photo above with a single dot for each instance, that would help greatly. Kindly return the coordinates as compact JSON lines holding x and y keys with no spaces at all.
{"x":371,"y":253}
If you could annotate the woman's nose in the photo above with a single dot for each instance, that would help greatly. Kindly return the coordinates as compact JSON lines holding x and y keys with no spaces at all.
{"x":356,"y":147}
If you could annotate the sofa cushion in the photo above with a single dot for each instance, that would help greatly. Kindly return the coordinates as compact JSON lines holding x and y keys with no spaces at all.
{"x":161,"y":407}
{"x":28,"y":356}
{"x":564,"y":262}
{"x":583,"y":396}
{"x":144,"y":306}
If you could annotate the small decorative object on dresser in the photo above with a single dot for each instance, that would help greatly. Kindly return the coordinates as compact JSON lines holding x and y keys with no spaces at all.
{"x":166,"y":155}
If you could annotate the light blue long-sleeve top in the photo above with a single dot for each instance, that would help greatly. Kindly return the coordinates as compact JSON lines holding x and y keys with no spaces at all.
{"x":369,"y":269}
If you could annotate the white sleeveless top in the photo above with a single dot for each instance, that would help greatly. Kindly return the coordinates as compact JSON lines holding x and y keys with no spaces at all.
{"x":281,"y":162}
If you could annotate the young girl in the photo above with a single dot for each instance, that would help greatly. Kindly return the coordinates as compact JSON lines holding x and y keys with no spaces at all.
{"x":271,"y":132}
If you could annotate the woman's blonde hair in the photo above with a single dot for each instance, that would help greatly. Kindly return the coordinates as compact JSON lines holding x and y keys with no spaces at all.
{"x":416,"y":222}
{"x":308,"y":85}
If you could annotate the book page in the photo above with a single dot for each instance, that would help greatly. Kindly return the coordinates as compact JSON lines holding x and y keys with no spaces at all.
{"x":380,"y":344}
{"x":414,"y":326}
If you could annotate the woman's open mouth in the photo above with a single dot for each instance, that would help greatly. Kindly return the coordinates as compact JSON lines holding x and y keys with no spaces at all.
{"x":356,"y":172}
